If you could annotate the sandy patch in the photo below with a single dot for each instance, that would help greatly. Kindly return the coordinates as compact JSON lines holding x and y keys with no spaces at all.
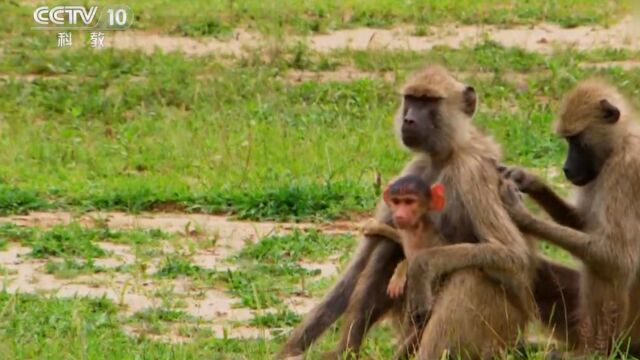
{"x":623,"y":64}
{"x":137,"y":290}
{"x":120,"y":255}
{"x":542,"y":37}
{"x":149,"y":42}
{"x":230,"y":233}
{"x":345,"y":73}
{"x":326,"y":269}
{"x":216,"y":305}
{"x":300,"y":304}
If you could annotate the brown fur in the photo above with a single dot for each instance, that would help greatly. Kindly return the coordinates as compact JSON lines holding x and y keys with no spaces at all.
{"x":360,"y":286}
{"x":604,"y":223}
{"x":472,"y":313}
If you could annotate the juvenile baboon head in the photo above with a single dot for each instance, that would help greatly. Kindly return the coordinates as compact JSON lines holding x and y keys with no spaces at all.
{"x":410,"y":198}
{"x":592,"y":119}
{"x":435,"y":112}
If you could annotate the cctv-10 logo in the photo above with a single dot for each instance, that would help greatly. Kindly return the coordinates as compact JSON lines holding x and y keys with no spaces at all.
{"x":74,"y":17}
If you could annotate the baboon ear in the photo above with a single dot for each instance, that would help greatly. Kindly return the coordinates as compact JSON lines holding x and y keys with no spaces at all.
{"x":386,"y":196}
{"x":437,"y":197}
{"x":469,"y":100}
{"x":611,"y":114}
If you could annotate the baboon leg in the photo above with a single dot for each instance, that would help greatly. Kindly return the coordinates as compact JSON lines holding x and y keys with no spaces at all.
{"x":334,"y":304}
{"x":409,"y":346}
{"x":370,"y":301}
{"x":556,"y":290}
{"x":608,"y":306}
{"x":472,"y":317}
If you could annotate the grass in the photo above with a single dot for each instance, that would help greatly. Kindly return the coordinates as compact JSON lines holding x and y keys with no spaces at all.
{"x":198,"y":135}
{"x":219,"y":18}
{"x":296,"y":246}
{"x":69,"y":268}
{"x":280,"y":319}
{"x":174,"y":266}
{"x":266,"y":273}
{"x":74,"y":240}
{"x":36,"y":327}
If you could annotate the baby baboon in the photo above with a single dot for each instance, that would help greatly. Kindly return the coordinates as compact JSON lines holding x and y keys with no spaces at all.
{"x":410,"y":200}
{"x":603,"y":161}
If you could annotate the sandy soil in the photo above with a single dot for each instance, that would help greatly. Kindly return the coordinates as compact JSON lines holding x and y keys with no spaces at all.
{"x":542,"y":37}
{"x":133,"y":291}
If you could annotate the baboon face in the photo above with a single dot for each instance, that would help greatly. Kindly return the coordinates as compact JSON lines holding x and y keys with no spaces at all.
{"x":584,"y":157}
{"x":424,"y":125}
{"x":581,"y":166}
{"x":421,"y":122}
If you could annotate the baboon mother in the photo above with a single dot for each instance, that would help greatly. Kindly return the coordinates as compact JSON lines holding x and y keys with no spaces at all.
{"x":380,"y":256}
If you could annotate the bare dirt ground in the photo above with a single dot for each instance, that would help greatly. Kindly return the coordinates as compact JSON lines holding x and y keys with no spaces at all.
{"x":134,"y":291}
{"x":542,"y":37}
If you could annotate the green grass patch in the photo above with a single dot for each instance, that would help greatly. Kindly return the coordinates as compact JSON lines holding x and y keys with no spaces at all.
{"x":217,"y":19}
{"x":269,"y":270}
{"x":174,"y":266}
{"x":297,"y":245}
{"x":280,"y":319}
{"x":74,"y":240}
{"x":69,"y":268}
{"x":161,"y":314}
{"x":37,"y":327}
{"x":197,"y":134}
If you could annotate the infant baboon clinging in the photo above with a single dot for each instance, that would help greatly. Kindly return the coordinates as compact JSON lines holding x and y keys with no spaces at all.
{"x":603,"y":161}
{"x":410,"y":200}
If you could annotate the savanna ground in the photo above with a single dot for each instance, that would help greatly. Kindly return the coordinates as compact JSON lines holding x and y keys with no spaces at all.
{"x":194,"y":188}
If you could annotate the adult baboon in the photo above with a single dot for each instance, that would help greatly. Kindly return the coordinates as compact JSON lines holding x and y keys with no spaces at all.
{"x":472,"y":316}
{"x":603,"y":161}
{"x":378,"y":256}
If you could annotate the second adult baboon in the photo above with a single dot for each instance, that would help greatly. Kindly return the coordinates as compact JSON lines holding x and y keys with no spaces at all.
{"x":603,"y":161}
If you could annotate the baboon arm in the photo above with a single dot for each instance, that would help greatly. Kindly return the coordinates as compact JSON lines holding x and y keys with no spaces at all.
{"x":557,"y":208}
{"x":400,"y":273}
{"x":446,"y":259}
{"x":502,"y":247}
{"x":429,"y":264}
{"x":578,"y":243}
{"x":375,"y":227}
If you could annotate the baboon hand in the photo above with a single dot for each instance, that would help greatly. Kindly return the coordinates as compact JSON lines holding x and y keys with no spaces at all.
{"x":395,"y":289}
{"x":513,"y":204}
{"x":526,"y":182}
{"x":509,"y":193}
